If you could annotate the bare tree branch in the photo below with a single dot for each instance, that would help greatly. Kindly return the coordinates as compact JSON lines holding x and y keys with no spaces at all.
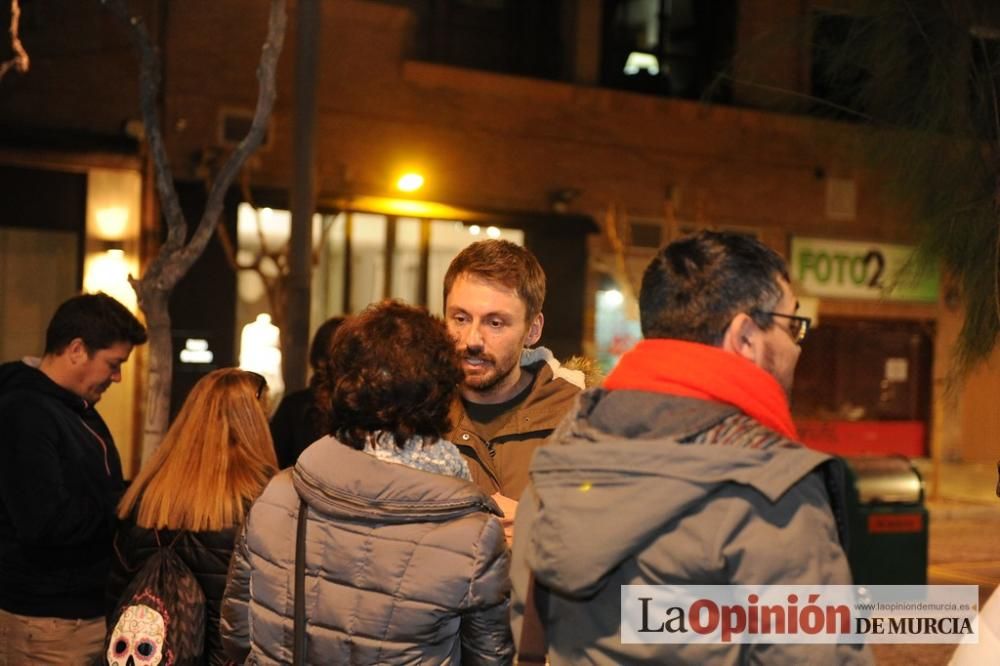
{"x":265,"y":104}
{"x":177,"y":253}
{"x":614,"y":219}
{"x":20,"y":60}
{"x":149,"y":91}
{"x":229,"y":249}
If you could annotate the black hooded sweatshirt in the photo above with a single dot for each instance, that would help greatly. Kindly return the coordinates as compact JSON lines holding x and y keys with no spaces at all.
{"x":60,"y":480}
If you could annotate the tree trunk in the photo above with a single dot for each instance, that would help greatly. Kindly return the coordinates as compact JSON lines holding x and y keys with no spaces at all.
{"x":161,"y":367}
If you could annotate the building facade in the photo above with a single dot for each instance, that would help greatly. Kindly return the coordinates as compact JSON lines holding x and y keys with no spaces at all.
{"x":592,"y":131}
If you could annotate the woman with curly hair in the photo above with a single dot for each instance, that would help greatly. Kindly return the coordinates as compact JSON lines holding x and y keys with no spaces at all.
{"x":404,"y":560}
{"x":193,"y":493}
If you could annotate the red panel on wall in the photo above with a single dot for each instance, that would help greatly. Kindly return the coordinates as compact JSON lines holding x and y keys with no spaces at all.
{"x":854,"y":438}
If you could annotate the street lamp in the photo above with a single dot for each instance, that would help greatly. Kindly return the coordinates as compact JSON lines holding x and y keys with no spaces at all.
{"x":410,"y":182}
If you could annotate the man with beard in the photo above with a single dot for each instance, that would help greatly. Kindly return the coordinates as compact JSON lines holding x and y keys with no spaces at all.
{"x":512,"y":397}
{"x":682,"y":469}
{"x":60,"y":480}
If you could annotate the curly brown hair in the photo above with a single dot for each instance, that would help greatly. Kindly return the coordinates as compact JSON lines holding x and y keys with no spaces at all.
{"x":392,"y":368}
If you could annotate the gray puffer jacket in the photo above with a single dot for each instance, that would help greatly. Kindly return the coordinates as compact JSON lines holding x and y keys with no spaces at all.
{"x":402,"y":566}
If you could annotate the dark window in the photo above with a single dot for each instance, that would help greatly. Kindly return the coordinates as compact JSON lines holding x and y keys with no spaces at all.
{"x":872,"y":67}
{"x":523,"y":37}
{"x":838,"y":74}
{"x":984,"y":81}
{"x":669,"y":47}
{"x":43,"y":199}
{"x":646,"y":234}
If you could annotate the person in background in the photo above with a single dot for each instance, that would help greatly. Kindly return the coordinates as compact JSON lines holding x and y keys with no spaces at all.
{"x":511,"y":397}
{"x":60,"y":479}
{"x":405,"y":559}
{"x":297,"y":423}
{"x":194,"y":492}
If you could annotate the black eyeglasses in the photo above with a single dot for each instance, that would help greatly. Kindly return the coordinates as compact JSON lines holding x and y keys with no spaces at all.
{"x":798,"y":326}
{"x":261,"y":382}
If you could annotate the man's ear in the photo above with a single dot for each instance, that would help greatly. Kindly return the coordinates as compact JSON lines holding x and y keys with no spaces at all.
{"x":534,"y":330}
{"x":76,"y":351}
{"x":743,"y":337}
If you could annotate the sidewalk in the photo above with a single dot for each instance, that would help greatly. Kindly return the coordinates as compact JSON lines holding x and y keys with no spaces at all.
{"x":964,"y":522}
{"x":965,"y":488}
{"x":963,"y":549}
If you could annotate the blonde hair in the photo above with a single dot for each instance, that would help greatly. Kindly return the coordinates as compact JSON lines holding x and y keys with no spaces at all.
{"x":213,"y":462}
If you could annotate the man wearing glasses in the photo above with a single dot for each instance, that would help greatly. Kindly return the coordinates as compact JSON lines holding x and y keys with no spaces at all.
{"x":682,"y":469}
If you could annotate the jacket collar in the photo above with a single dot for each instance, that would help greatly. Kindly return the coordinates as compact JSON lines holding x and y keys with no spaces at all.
{"x":338,"y":480}
{"x":25,"y":375}
{"x":549,"y":379}
{"x":678,"y":367}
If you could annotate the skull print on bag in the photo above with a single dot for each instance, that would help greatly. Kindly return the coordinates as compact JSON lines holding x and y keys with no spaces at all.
{"x":137,"y":638}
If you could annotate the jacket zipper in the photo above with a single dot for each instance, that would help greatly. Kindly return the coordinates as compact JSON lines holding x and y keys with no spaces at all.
{"x":487,"y":466}
{"x":104,"y":446}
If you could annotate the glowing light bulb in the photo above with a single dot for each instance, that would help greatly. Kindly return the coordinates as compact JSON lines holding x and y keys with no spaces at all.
{"x":612,"y":298}
{"x":410,"y":182}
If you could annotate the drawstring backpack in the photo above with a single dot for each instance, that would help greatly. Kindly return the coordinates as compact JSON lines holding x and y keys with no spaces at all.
{"x":160,"y":618}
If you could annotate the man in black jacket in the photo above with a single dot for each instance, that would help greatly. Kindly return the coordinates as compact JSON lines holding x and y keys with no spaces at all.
{"x":60,"y":479}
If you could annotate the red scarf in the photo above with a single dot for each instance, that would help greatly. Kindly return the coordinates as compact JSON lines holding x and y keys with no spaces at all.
{"x":693,"y":370}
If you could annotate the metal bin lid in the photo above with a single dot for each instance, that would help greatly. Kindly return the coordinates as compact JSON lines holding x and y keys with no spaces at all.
{"x":886,"y":479}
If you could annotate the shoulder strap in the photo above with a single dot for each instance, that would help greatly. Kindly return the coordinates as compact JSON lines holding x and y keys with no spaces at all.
{"x":839,"y":487}
{"x":299,"y":626}
{"x":533,"y":645}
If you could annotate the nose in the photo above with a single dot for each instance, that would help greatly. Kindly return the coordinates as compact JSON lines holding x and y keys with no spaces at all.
{"x":116,"y":376}
{"x":472,"y":339}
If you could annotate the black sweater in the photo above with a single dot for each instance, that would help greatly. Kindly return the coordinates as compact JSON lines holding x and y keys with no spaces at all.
{"x":295,"y":425}
{"x":60,"y":479}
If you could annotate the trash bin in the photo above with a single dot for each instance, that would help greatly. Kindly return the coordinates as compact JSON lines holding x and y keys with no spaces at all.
{"x":887,"y":521}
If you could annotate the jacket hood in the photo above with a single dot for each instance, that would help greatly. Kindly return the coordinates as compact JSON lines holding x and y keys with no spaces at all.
{"x":617,"y":472}
{"x":535,"y":357}
{"x":343,"y":482}
{"x":25,"y":376}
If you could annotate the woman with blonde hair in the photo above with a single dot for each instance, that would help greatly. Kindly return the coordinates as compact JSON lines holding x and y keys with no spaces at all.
{"x":194,"y":492}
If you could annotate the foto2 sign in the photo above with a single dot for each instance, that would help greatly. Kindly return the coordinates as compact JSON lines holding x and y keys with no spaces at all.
{"x":848,"y":269}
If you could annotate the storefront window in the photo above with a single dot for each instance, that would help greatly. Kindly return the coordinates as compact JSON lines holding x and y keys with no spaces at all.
{"x":614,"y":331}
{"x":406,"y":260}
{"x":447,"y":239}
{"x":27,"y":303}
{"x":368,"y":235}
{"x":361,"y":258}
{"x":327,"y":277}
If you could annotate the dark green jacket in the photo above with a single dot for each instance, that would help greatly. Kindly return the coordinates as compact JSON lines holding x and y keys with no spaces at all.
{"x":641,"y":488}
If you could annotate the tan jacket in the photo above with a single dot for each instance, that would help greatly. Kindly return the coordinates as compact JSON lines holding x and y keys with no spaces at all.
{"x":501,"y":464}
{"x":402,"y":567}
